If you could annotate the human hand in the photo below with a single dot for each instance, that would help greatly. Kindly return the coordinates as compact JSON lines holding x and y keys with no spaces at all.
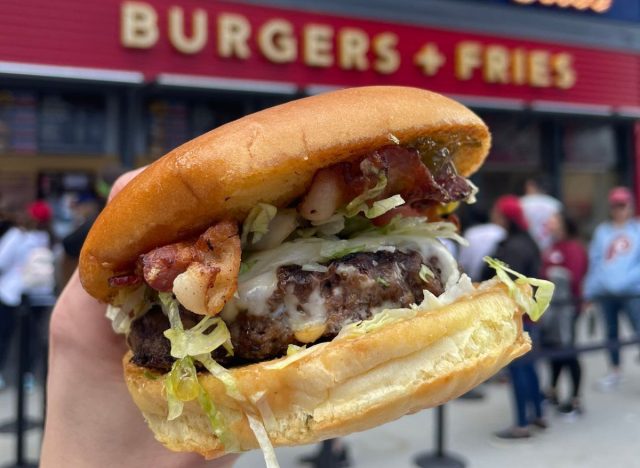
{"x":91,"y":419}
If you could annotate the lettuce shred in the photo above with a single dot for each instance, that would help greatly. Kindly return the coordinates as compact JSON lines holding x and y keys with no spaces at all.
{"x":379,"y":320}
{"x":380,"y":207}
{"x":417,"y":226}
{"x":534,"y":305}
{"x":294,"y":356}
{"x":196,"y":344}
{"x":294,"y":349}
{"x":462,"y":286}
{"x":399,"y":232}
{"x":257,"y":222}
{"x":377,"y":208}
{"x":129,"y":305}
{"x":263,"y":440}
{"x":425,"y":273}
{"x":359,"y":203}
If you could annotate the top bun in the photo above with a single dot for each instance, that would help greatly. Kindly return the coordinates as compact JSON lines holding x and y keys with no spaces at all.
{"x":270,"y":156}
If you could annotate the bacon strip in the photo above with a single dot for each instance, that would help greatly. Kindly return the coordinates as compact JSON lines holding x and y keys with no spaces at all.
{"x":336,"y":185}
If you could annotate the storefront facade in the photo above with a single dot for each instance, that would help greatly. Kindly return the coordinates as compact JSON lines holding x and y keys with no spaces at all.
{"x":88,"y":85}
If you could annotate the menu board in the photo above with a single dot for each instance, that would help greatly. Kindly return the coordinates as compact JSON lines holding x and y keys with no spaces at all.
{"x":515,"y":142}
{"x":171,"y":122}
{"x":168,"y":125}
{"x":32,"y":122}
{"x":72,"y":124}
{"x":18,"y":122}
{"x":589,"y":146}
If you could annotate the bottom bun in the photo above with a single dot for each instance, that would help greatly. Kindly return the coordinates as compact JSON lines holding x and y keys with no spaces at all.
{"x":349,"y":384}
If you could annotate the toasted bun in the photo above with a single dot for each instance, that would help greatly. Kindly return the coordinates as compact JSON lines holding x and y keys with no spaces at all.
{"x":268,"y":157}
{"x":351,"y":384}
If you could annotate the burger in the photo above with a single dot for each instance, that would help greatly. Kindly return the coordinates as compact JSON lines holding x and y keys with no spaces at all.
{"x":282,"y":279}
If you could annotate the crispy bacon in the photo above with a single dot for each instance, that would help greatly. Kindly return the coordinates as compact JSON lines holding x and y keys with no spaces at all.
{"x":212,"y":278}
{"x":201,"y":272}
{"x":406,"y":174}
{"x":161,"y":266}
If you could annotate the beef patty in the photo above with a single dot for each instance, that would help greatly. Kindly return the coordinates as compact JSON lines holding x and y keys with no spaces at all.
{"x":352,"y":289}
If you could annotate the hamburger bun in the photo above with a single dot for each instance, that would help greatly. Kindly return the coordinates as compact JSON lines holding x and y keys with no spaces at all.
{"x":350,"y":384}
{"x":268,"y":157}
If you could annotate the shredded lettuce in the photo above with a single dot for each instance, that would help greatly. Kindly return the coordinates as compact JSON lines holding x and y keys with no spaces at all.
{"x":150,"y":375}
{"x":455,"y":289}
{"x":129,"y":305}
{"x":221,"y":374}
{"x":339,"y":249}
{"x":417,"y":226}
{"x":379,"y":320}
{"x":403,"y":233}
{"x":359,"y":203}
{"x":181,"y":384}
{"x":425,"y":273}
{"x":188,"y":346}
{"x":380,"y":207}
{"x":534,"y":306}
{"x":380,"y":280}
{"x":171,"y":308}
{"x":257,"y":222}
{"x":291,"y":358}
{"x":245,"y":267}
{"x":217,"y":421}
{"x":263,"y":440}
{"x":294,"y":349}
{"x":259,"y":399}
{"x":314,"y":267}
{"x":329,"y":227}
{"x":196,"y":341}
{"x":471,"y":199}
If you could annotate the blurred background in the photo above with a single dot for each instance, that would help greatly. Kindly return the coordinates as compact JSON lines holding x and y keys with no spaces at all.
{"x":90,"y":89}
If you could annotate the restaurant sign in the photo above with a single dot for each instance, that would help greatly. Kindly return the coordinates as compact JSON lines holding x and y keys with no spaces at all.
{"x":255,"y":43}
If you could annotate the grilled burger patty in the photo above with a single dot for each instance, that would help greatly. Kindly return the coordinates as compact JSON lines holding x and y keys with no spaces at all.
{"x":352,"y":288}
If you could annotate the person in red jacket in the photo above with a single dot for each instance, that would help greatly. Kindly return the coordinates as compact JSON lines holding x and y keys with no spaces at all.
{"x":565,"y":263}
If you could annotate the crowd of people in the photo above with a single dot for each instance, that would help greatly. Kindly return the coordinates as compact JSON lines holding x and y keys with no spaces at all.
{"x":532,"y":233}
{"x":34,"y":265}
{"x":535,"y":235}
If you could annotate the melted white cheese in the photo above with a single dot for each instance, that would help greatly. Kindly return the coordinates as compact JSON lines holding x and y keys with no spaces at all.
{"x":258,"y":285}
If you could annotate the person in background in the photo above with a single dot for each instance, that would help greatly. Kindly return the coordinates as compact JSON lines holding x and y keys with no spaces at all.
{"x":38,"y":282}
{"x":85,"y":208}
{"x":9,"y":240}
{"x":613,"y":279}
{"x":520,"y":252}
{"x":483,"y":236}
{"x":538,"y":208}
{"x":565,"y":264}
{"x":26,"y":267}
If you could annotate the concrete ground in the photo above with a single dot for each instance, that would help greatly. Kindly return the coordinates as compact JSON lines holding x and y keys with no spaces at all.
{"x":607,"y":435}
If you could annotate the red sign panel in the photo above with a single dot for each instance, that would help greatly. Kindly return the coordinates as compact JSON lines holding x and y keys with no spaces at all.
{"x":236,"y":41}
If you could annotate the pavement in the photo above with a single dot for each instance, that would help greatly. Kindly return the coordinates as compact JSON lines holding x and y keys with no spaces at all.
{"x":606,"y":435}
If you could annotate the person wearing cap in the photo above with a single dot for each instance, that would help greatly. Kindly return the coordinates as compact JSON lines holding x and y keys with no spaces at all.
{"x":26,"y":266}
{"x":539,"y":207}
{"x":520,"y":251}
{"x":613,"y":278}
